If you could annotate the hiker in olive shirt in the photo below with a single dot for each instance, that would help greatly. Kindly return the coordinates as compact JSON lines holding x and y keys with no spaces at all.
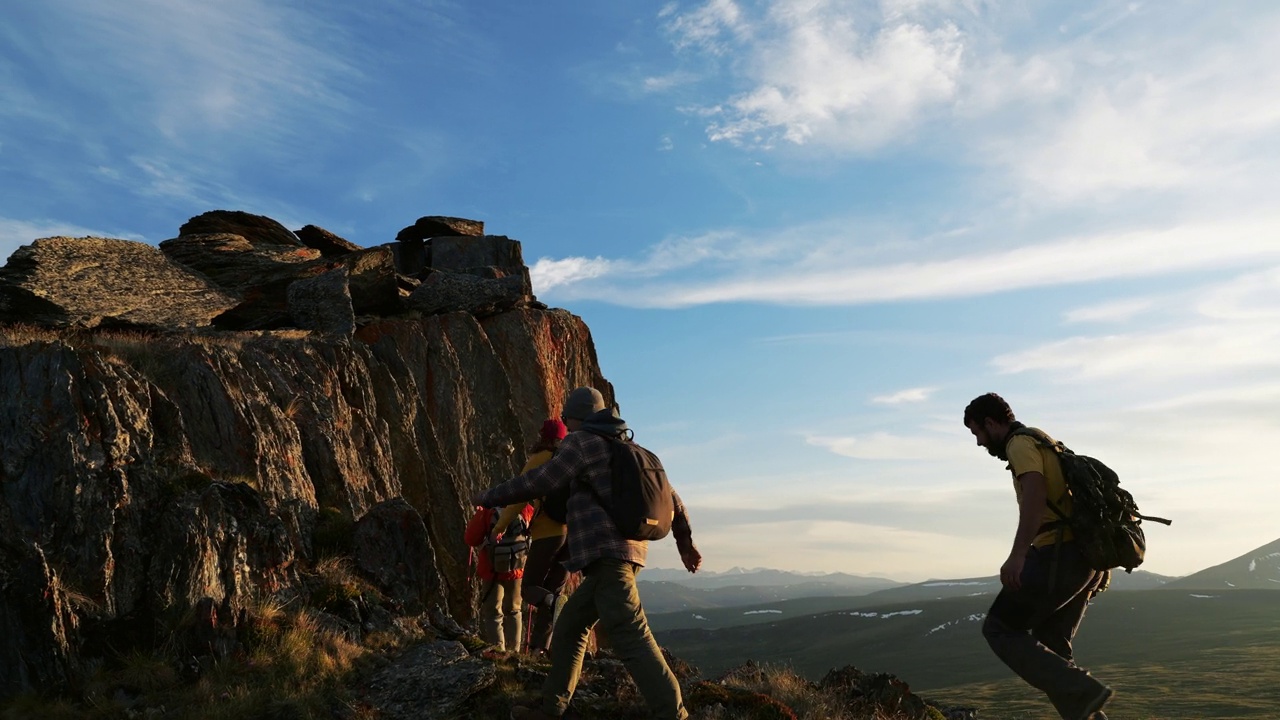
{"x":1047,"y":582}
{"x":608,"y":561}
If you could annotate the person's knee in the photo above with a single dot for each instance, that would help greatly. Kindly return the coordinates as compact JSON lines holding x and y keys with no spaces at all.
{"x":993,"y":627}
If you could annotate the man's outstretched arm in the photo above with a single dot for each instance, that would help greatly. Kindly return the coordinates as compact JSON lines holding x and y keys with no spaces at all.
{"x":680,"y":527}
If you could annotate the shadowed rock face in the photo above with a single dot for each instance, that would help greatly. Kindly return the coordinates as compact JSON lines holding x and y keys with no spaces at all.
{"x":144,"y":475}
{"x":327,"y":243}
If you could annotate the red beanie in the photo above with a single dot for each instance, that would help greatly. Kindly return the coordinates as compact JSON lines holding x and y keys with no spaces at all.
{"x":552,"y":430}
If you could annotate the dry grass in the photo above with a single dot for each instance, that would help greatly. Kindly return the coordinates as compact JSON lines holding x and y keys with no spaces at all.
{"x":19,"y":334}
{"x":289,"y":666}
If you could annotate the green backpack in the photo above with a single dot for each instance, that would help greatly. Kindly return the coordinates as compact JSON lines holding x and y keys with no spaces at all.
{"x":1104,"y":517}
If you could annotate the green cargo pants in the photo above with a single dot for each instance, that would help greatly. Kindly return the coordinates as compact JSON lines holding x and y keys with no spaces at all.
{"x":608,"y":594}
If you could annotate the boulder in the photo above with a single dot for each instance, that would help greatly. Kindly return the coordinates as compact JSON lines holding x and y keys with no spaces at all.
{"x":433,"y":680}
{"x":391,"y":548}
{"x":444,"y":292}
{"x":258,"y":229}
{"x":438,"y":225}
{"x":327,"y":243}
{"x":322,"y":304}
{"x":87,"y":282}
{"x":238,"y":263}
{"x":262,"y":273}
{"x":375,"y":287}
{"x":460,"y":254}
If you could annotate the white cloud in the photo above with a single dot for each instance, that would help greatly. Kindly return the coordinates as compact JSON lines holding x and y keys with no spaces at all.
{"x":887,"y":446}
{"x":706,"y":27}
{"x":1110,"y":312}
{"x":663,"y":83}
{"x":1232,"y":333}
{"x":820,"y":74}
{"x":804,"y":270}
{"x":911,"y":395}
{"x":547,"y":274}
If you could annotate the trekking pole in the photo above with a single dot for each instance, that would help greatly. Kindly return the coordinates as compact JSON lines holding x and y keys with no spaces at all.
{"x":528,"y":628}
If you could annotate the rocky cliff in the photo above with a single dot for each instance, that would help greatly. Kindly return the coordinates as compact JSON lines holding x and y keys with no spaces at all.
{"x":176,"y":423}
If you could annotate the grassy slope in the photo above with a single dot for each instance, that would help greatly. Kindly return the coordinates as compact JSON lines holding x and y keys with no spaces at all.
{"x":1170,"y":654}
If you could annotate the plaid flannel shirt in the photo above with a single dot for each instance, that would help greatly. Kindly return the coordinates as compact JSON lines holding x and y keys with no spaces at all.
{"x":583,"y":459}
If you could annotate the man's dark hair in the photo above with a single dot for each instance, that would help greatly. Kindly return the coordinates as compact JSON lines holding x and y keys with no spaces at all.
{"x":986,"y":406}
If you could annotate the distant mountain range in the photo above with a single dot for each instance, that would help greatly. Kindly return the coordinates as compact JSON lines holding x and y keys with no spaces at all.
{"x":756,"y":577}
{"x":760,"y":589}
{"x":665,"y":590}
{"x":1257,"y":569}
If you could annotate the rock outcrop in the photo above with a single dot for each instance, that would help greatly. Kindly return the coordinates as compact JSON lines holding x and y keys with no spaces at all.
{"x":148,"y":473}
{"x":87,"y":282}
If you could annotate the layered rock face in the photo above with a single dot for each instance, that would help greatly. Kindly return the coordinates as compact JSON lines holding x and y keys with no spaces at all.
{"x":153,"y":463}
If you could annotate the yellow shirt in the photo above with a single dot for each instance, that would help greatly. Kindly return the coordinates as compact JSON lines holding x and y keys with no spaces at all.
{"x":1025,"y":456}
{"x":543,"y":526}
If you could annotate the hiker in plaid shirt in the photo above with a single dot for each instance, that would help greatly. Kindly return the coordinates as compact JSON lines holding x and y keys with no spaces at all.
{"x":608,"y":562}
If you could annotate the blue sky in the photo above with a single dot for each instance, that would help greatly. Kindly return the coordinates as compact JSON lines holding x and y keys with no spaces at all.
{"x":804,"y":233}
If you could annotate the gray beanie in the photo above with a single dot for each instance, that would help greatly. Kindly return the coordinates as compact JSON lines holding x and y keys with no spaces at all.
{"x":582,"y":402}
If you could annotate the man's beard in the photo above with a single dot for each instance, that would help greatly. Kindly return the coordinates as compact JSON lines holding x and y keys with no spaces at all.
{"x":994,"y":450}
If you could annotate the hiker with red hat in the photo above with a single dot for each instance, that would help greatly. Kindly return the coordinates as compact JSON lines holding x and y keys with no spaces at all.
{"x":544,"y":576}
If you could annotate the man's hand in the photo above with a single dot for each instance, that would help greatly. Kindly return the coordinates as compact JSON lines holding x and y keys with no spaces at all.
{"x":691,"y":558}
{"x":1011,"y":571}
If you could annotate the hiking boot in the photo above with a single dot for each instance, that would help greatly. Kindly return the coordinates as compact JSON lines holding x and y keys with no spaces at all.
{"x":523,"y":712}
{"x":1091,"y":709}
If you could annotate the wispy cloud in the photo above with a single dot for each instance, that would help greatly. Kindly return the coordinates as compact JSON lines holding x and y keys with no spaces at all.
{"x":802,"y":270}
{"x":1230,"y":331}
{"x":888,"y":446}
{"x":911,"y":395}
{"x":166,"y":98}
{"x":1110,"y":312}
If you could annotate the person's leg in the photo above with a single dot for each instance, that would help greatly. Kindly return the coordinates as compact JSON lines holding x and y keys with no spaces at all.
{"x":543,"y":578}
{"x":568,"y":645}
{"x":623,"y":619}
{"x":511,"y":606}
{"x":491,"y":613}
{"x":1015,"y":615}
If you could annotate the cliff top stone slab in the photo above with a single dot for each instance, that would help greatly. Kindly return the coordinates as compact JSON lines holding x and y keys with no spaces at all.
{"x":327,"y":243}
{"x":86,"y":282}
{"x":257,"y":229}
{"x":459,"y":254}
{"x":438,"y":226}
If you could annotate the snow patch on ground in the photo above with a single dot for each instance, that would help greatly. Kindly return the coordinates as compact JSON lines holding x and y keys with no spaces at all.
{"x":955,"y":584}
{"x":873,"y":613}
{"x":696,"y":616}
{"x":1229,"y":584}
{"x":976,"y":617}
{"x":1203,"y":596}
{"x":763,"y":612}
{"x":1253,"y":565}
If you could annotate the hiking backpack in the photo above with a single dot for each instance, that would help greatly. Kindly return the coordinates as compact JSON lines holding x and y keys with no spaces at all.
{"x":641,"y":504}
{"x":555,"y":505}
{"x":511,"y":552}
{"x":1104,"y":517}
